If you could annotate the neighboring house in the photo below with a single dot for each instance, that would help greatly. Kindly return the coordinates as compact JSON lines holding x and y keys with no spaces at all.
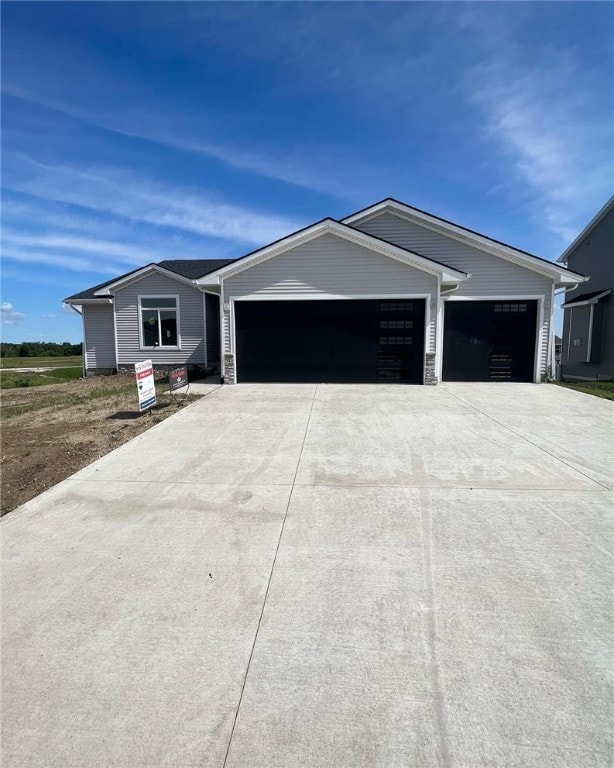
{"x":389,"y":294}
{"x":588,"y":327}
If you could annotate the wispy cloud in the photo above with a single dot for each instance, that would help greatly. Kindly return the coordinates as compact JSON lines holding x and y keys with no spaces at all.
{"x":283,"y":166}
{"x":49,"y":316}
{"x":9,"y":315}
{"x":143,"y":199}
{"x":117,"y":251}
{"x":73,"y":263}
{"x":555,"y":137}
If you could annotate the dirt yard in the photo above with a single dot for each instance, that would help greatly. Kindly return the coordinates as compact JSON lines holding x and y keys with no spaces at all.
{"x":49,"y":432}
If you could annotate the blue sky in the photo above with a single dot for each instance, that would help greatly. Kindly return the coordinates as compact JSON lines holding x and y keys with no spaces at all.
{"x":135,"y":132}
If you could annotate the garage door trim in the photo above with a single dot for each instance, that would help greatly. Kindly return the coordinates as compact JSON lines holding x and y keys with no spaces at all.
{"x":539,"y":298}
{"x":332,"y":297}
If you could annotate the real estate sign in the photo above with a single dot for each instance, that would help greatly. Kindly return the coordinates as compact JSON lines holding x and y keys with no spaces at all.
{"x":145,"y":384}
{"x":177,"y":378}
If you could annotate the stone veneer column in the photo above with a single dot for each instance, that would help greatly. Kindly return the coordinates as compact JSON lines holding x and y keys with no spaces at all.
{"x":229,"y":369}
{"x":430,"y":373}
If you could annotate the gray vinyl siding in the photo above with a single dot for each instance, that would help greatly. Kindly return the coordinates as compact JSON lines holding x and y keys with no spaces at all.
{"x":332,"y":267}
{"x":212,"y":309}
{"x":489,"y":274}
{"x":594,"y":257}
{"x":99,"y":339}
{"x":190,"y":320}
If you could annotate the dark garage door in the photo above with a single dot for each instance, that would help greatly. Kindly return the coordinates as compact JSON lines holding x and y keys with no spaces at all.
{"x":330,"y":341}
{"x":489,"y":340}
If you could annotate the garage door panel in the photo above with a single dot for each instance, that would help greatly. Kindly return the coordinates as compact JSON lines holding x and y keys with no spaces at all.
{"x":489,"y":340}
{"x":330,"y":341}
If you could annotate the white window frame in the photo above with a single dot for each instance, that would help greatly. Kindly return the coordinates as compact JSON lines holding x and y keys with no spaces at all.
{"x":151,"y":297}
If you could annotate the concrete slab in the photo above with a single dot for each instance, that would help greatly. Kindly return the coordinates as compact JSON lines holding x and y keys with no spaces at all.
{"x":321,"y":576}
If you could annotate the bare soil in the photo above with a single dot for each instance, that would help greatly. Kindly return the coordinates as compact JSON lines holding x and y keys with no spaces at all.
{"x":49,"y":432}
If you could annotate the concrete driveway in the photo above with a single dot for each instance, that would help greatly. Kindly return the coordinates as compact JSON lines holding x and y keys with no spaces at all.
{"x":330,"y":576}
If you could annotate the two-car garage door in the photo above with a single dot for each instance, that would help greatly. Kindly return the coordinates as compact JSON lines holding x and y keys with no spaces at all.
{"x":349,"y":340}
{"x":382,"y":340}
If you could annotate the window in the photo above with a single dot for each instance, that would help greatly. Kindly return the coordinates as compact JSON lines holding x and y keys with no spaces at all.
{"x":510,"y":307}
{"x":396,"y":306}
{"x":396,"y":324}
{"x":159,"y":321}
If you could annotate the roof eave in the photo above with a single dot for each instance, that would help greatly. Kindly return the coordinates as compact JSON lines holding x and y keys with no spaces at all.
{"x":482,"y":242}
{"x":601,"y":214}
{"x":138,"y":275}
{"x":334,"y":227}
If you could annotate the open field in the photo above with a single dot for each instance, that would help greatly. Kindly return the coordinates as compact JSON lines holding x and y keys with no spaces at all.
{"x":41,"y":362}
{"x":11,"y":379}
{"x":49,"y":432}
{"x":598,"y":388}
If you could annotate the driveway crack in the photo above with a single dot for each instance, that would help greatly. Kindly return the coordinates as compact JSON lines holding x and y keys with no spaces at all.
{"x":268,"y":586}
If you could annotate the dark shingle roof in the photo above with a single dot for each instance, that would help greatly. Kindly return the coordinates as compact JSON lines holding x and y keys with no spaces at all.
{"x":190,"y":268}
{"x":587,"y":296}
{"x":193,"y":268}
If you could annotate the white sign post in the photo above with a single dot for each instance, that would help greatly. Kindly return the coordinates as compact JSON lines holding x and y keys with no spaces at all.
{"x":145,"y":384}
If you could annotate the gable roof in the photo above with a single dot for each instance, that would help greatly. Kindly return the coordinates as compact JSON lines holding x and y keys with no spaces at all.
{"x":602,"y":213}
{"x":332,"y":226}
{"x":186,"y":268}
{"x":587,"y":298}
{"x":464,"y":234}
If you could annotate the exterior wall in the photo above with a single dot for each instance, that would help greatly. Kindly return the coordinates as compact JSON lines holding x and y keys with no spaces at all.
{"x":99,"y":341}
{"x":594,"y":257}
{"x":489,"y":275}
{"x":212,"y":313}
{"x":191,"y":322}
{"x":327,"y":267}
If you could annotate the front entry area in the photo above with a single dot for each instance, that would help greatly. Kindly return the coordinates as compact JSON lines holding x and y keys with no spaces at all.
{"x":489,"y":340}
{"x":330,"y":341}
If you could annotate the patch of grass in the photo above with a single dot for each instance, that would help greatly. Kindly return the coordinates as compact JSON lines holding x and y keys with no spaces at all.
{"x":14,"y":379}
{"x":603,"y":389}
{"x":41,"y":362}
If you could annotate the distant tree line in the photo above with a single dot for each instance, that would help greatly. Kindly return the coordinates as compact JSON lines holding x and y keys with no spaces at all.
{"x":39,"y":349}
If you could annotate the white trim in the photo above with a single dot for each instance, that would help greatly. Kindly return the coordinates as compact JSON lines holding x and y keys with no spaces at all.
{"x":589,"y":342}
{"x":571,"y":303}
{"x":569,"y":332}
{"x":84,"y":345}
{"x":328,"y":296}
{"x":552,"y":336}
{"x":426,"y":297}
{"x":439,"y":339}
{"x":115,"y":338}
{"x":482,"y":242}
{"x":205,"y":344}
{"x":139,"y":275}
{"x":329,"y":226}
{"x":539,"y":340}
{"x":539,"y":321}
{"x":222,"y":336}
{"x":587,"y":230}
{"x":497,"y":297}
{"x":178,"y":319}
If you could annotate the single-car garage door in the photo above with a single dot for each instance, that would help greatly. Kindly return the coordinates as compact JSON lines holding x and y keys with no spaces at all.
{"x":330,"y":341}
{"x":489,"y":340}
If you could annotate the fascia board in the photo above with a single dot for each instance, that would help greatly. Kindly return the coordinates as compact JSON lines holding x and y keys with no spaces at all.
{"x":347,"y":233}
{"x":136,"y":276}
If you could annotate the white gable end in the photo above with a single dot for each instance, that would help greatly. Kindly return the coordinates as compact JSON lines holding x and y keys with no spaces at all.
{"x":330,"y":266}
{"x":489,"y":275}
